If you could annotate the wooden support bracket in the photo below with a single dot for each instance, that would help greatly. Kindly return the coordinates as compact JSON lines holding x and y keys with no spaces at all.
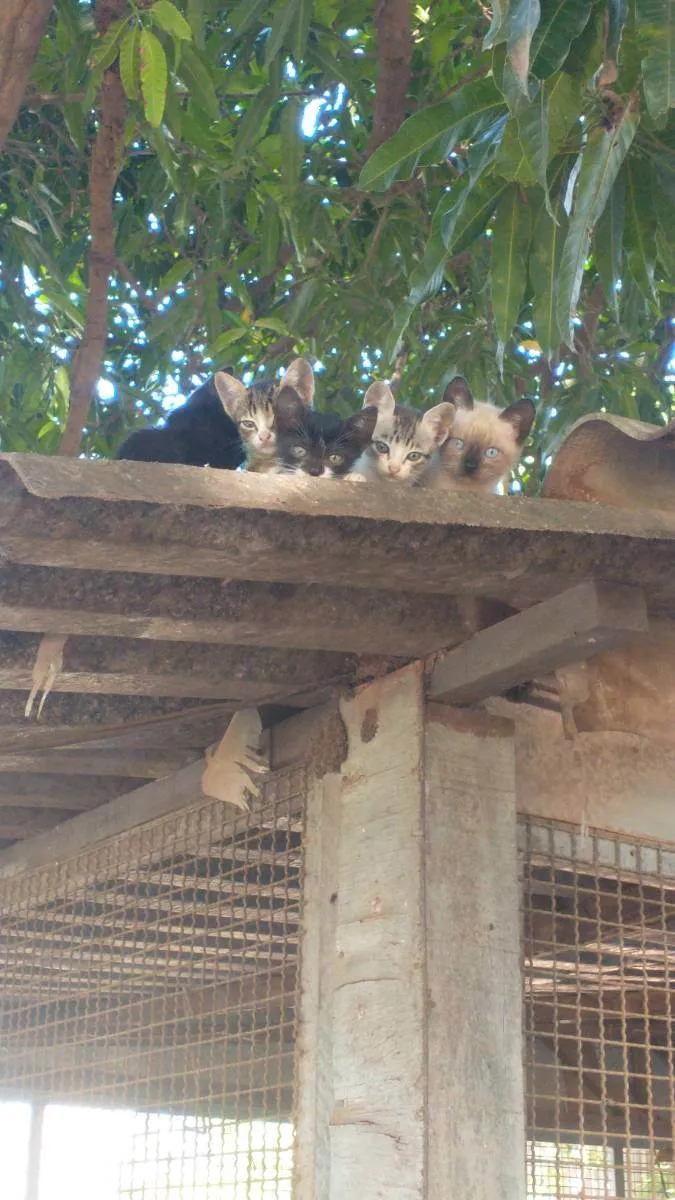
{"x":570,"y":627}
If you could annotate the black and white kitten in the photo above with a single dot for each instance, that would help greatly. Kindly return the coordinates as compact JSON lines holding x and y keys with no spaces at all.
{"x":324,"y":445}
{"x":222,"y":424}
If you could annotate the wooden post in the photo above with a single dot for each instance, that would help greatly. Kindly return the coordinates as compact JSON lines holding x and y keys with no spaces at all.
{"x":409,"y":1066}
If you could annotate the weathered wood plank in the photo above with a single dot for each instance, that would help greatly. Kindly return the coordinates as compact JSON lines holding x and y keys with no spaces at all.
{"x":225,"y":612}
{"x":108,"y":821}
{"x":91,"y":710}
{"x":18,"y":821}
{"x":177,"y":520}
{"x":364,"y":984}
{"x":577,"y":624}
{"x":476,"y":1121}
{"x":133,"y":764}
{"x":54,"y":791}
{"x":243,"y":675}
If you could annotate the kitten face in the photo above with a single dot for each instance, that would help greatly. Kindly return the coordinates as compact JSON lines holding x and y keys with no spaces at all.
{"x":253,"y":409}
{"x":485,"y":442}
{"x":404,"y":439}
{"x":323,"y":445}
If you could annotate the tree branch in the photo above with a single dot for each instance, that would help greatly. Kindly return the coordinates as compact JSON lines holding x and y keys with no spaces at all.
{"x":103,"y":171}
{"x":394,"y":54}
{"x":22,"y":24}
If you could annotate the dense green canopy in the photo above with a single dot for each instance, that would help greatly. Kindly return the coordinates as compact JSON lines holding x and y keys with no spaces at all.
{"x":236,"y":196}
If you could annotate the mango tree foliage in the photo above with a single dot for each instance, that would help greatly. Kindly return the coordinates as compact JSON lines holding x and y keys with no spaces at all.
{"x":517,"y":228}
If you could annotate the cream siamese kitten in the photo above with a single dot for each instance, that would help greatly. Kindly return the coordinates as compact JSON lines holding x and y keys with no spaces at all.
{"x":404,"y":442}
{"x":485,"y":442}
{"x":253,"y":410}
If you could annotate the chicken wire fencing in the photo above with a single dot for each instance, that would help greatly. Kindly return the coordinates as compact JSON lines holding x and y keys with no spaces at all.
{"x":147,"y":1011}
{"x":599,"y":964}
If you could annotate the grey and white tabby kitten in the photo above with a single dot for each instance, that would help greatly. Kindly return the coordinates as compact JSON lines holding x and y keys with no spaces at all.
{"x":405,"y":441}
{"x":485,"y":442}
{"x":254,"y":413}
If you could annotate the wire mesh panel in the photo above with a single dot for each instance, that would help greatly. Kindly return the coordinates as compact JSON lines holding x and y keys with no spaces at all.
{"x":599,"y":965}
{"x":147,"y":997}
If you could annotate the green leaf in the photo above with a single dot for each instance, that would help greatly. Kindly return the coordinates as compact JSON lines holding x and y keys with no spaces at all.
{"x":197,"y":78}
{"x":495,"y":33}
{"x":640,"y":235}
{"x":270,"y":237}
{"x":608,"y":244}
{"x":154,"y":75}
{"x":106,"y":50}
{"x":520,"y":24}
{"x":511,"y":234}
{"x":427,"y":277}
{"x":600,"y":164}
{"x":272,"y":323}
{"x":561,"y":22}
{"x":468,"y":219}
{"x":565,"y":106}
{"x":656,"y":27}
{"x":195,"y":16}
{"x":461,"y":118}
{"x":227,"y":339}
{"x":618,"y":14}
{"x":253,"y":124}
{"x":129,"y":62}
{"x":246,"y":14}
{"x":282,"y":23}
{"x":547,"y":244}
{"x":166,"y":15}
{"x":301,"y":31}
{"x":292,"y":147}
{"x":533,"y":125}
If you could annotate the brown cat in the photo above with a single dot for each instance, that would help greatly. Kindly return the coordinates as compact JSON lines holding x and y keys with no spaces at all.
{"x":485,"y":442}
{"x":405,"y":441}
{"x":253,"y":410}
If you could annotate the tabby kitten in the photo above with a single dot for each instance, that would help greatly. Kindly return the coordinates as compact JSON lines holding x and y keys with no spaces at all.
{"x":405,"y":441}
{"x":485,"y":443}
{"x":204,"y":432}
{"x":254,"y":410}
{"x":320,"y":444}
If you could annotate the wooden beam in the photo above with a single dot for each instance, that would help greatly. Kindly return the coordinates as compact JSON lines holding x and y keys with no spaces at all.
{"x":476,"y":1130}
{"x":174,"y":608}
{"x":57,"y":791}
{"x":410,"y":1015}
{"x":17,"y":821}
{"x":115,"y":516}
{"x":134,"y":764}
{"x":108,"y":821}
{"x":245,"y":675}
{"x":90,"y":710}
{"x":577,"y":624}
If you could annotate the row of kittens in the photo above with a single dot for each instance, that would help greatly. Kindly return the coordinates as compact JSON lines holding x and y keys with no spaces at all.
{"x":272,"y":428}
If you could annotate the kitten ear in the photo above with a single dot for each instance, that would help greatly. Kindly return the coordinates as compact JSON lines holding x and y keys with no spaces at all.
{"x":381,"y":397}
{"x":289,"y":408}
{"x":361,"y":425}
{"x":520,"y":415}
{"x":438,"y":421}
{"x":300,"y":376}
{"x":458,"y":393}
{"x":232,"y":392}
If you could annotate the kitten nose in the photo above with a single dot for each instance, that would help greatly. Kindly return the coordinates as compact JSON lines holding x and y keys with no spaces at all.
{"x":470,"y":466}
{"x":315,"y":471}
{"x":393,"y":470}
{"x":265,"y":436}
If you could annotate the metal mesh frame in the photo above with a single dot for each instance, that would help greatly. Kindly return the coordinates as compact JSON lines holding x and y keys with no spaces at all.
{"x":599,"y":963}
{"x":157,"y":974}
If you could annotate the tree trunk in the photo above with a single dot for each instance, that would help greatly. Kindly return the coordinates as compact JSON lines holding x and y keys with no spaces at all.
{"x":394,"y":53}
{"x":22,"y":24}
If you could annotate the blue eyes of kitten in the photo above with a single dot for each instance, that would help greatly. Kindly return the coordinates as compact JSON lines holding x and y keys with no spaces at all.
{"x":491,"y":452}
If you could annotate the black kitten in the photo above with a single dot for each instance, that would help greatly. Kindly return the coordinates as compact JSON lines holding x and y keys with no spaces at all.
{"x":223,"y":423}
{"x":198,"y":434}
{"x":319,"y":444}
